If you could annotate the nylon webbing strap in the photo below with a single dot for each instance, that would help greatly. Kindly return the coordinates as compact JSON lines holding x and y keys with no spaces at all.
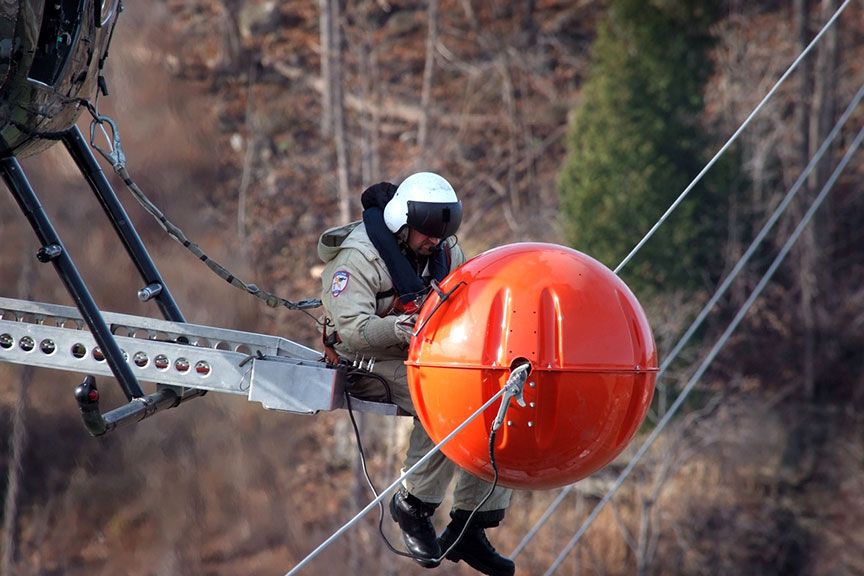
{"x":115,"y":156}
{"x":270,"y":299}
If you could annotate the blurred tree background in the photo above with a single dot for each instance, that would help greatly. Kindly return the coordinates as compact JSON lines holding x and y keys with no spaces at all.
{"x":636,"y":142}
{"x":255,"y":124}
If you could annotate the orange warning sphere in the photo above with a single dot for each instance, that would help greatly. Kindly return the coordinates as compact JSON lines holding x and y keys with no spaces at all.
{"x":592,"y":355}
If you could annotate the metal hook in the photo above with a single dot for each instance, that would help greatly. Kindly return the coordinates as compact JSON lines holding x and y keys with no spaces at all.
{"x":115,"y":153}
{"x":512,"y":389}
{"x":443,"y":296}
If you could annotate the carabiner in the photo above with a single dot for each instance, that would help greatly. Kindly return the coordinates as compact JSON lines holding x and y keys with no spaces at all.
{"x":114,"y":155}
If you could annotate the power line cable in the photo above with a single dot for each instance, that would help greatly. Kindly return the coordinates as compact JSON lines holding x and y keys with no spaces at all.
{"x":632,"y":253}
{"x":742,"y":261}
{"x":732,"y":138}
{"x":766,"y":228}
{"x":335,"y":536}
{"x":543,"y":519}
{"x":371,"y":485}
{"x":713,"y":353}
{"x":721,"y":290}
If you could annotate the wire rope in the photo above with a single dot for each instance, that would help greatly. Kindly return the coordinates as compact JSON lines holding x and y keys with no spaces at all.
{"x":757,"y":290}
{"x":721,"y":290}
{"x":543,"y":519}
{"x":739,"y":265}
{"x":732,"y":139}
{"x":345,"y":527}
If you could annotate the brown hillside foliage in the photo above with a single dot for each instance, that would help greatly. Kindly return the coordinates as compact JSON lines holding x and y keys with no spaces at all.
{"x":223,"y":111}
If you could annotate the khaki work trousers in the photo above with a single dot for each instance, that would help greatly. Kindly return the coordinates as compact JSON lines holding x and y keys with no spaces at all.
{"x":430,"y":481}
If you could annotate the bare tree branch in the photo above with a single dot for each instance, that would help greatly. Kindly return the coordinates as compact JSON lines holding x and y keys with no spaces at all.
{"x":325,"y":24}
{"x":339,"y":134}
{"x":252,"y":137}
{"x":428,"y":70}
{"x":384,"y":107}
{"x":17,"y":444}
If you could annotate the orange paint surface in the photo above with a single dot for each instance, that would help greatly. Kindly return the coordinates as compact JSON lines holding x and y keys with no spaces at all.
{"x":591,"y":350}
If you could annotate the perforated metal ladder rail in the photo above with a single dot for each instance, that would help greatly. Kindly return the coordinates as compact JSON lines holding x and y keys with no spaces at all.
{"x":278,"y":373}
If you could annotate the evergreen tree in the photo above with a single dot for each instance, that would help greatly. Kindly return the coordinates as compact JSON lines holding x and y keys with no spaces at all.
{"x":635,"y":144}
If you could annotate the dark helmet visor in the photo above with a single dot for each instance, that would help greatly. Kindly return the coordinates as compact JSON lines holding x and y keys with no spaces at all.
{"x":435,"y":219}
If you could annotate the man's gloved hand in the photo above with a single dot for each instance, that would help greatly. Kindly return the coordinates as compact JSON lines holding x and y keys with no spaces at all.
{"x":404,"y":327}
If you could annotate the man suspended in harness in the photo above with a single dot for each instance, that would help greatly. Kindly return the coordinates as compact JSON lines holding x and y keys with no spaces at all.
{"x":377,"y":272}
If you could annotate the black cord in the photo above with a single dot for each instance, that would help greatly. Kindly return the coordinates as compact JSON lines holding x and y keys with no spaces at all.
{"x":381,"y":505}
{"x":367,"y":374}
{"x":369,"y":479}
{"x":443,"y":296}
{"x":102,"y":83}
{"x":482,"y":502}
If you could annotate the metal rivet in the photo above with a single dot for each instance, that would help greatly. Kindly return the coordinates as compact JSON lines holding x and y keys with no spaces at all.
{"x":509,"y":422}
{"x":531,"y":384}
{"x":530,"y":424}
{"x":532,"y":405}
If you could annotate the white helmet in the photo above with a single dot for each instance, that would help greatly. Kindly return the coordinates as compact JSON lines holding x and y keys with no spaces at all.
{"x":427,"y":203}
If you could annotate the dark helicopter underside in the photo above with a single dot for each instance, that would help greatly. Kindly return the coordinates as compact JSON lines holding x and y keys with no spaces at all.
{"x":49,"y":63}
{"x":51,"y":56}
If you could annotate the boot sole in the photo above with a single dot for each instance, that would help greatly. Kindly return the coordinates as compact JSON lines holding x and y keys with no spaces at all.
{"x":483,"y":569}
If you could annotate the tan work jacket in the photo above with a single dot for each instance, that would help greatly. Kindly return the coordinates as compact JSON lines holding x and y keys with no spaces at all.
{"x":353,"y":278}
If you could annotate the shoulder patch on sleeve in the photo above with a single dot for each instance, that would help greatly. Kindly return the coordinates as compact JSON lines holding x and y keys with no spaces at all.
{"x":340,"y":282}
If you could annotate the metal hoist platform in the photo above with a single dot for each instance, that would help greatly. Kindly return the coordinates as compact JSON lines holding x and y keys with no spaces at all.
{"x":184,"y":361}
{"x":278,"y":373}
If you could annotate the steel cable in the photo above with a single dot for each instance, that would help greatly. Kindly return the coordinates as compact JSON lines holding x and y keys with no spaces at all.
{"x":732,"y":139}
{"x":345,"y":527}
{"x":739,"y":265}
{"x":721,"y":290}
{"x":713,"y":353}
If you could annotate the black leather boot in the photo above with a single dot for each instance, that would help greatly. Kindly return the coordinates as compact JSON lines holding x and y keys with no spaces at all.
{"x":473,"y":547}
{"x":413,"y":516}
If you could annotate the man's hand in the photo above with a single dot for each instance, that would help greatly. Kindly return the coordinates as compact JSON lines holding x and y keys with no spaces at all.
{"x":404,"y":327}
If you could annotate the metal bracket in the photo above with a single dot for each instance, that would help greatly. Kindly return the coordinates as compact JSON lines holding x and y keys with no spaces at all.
{"x":283,"y":375}
{"x":512,"y":389}
{"x":443,"y":297}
